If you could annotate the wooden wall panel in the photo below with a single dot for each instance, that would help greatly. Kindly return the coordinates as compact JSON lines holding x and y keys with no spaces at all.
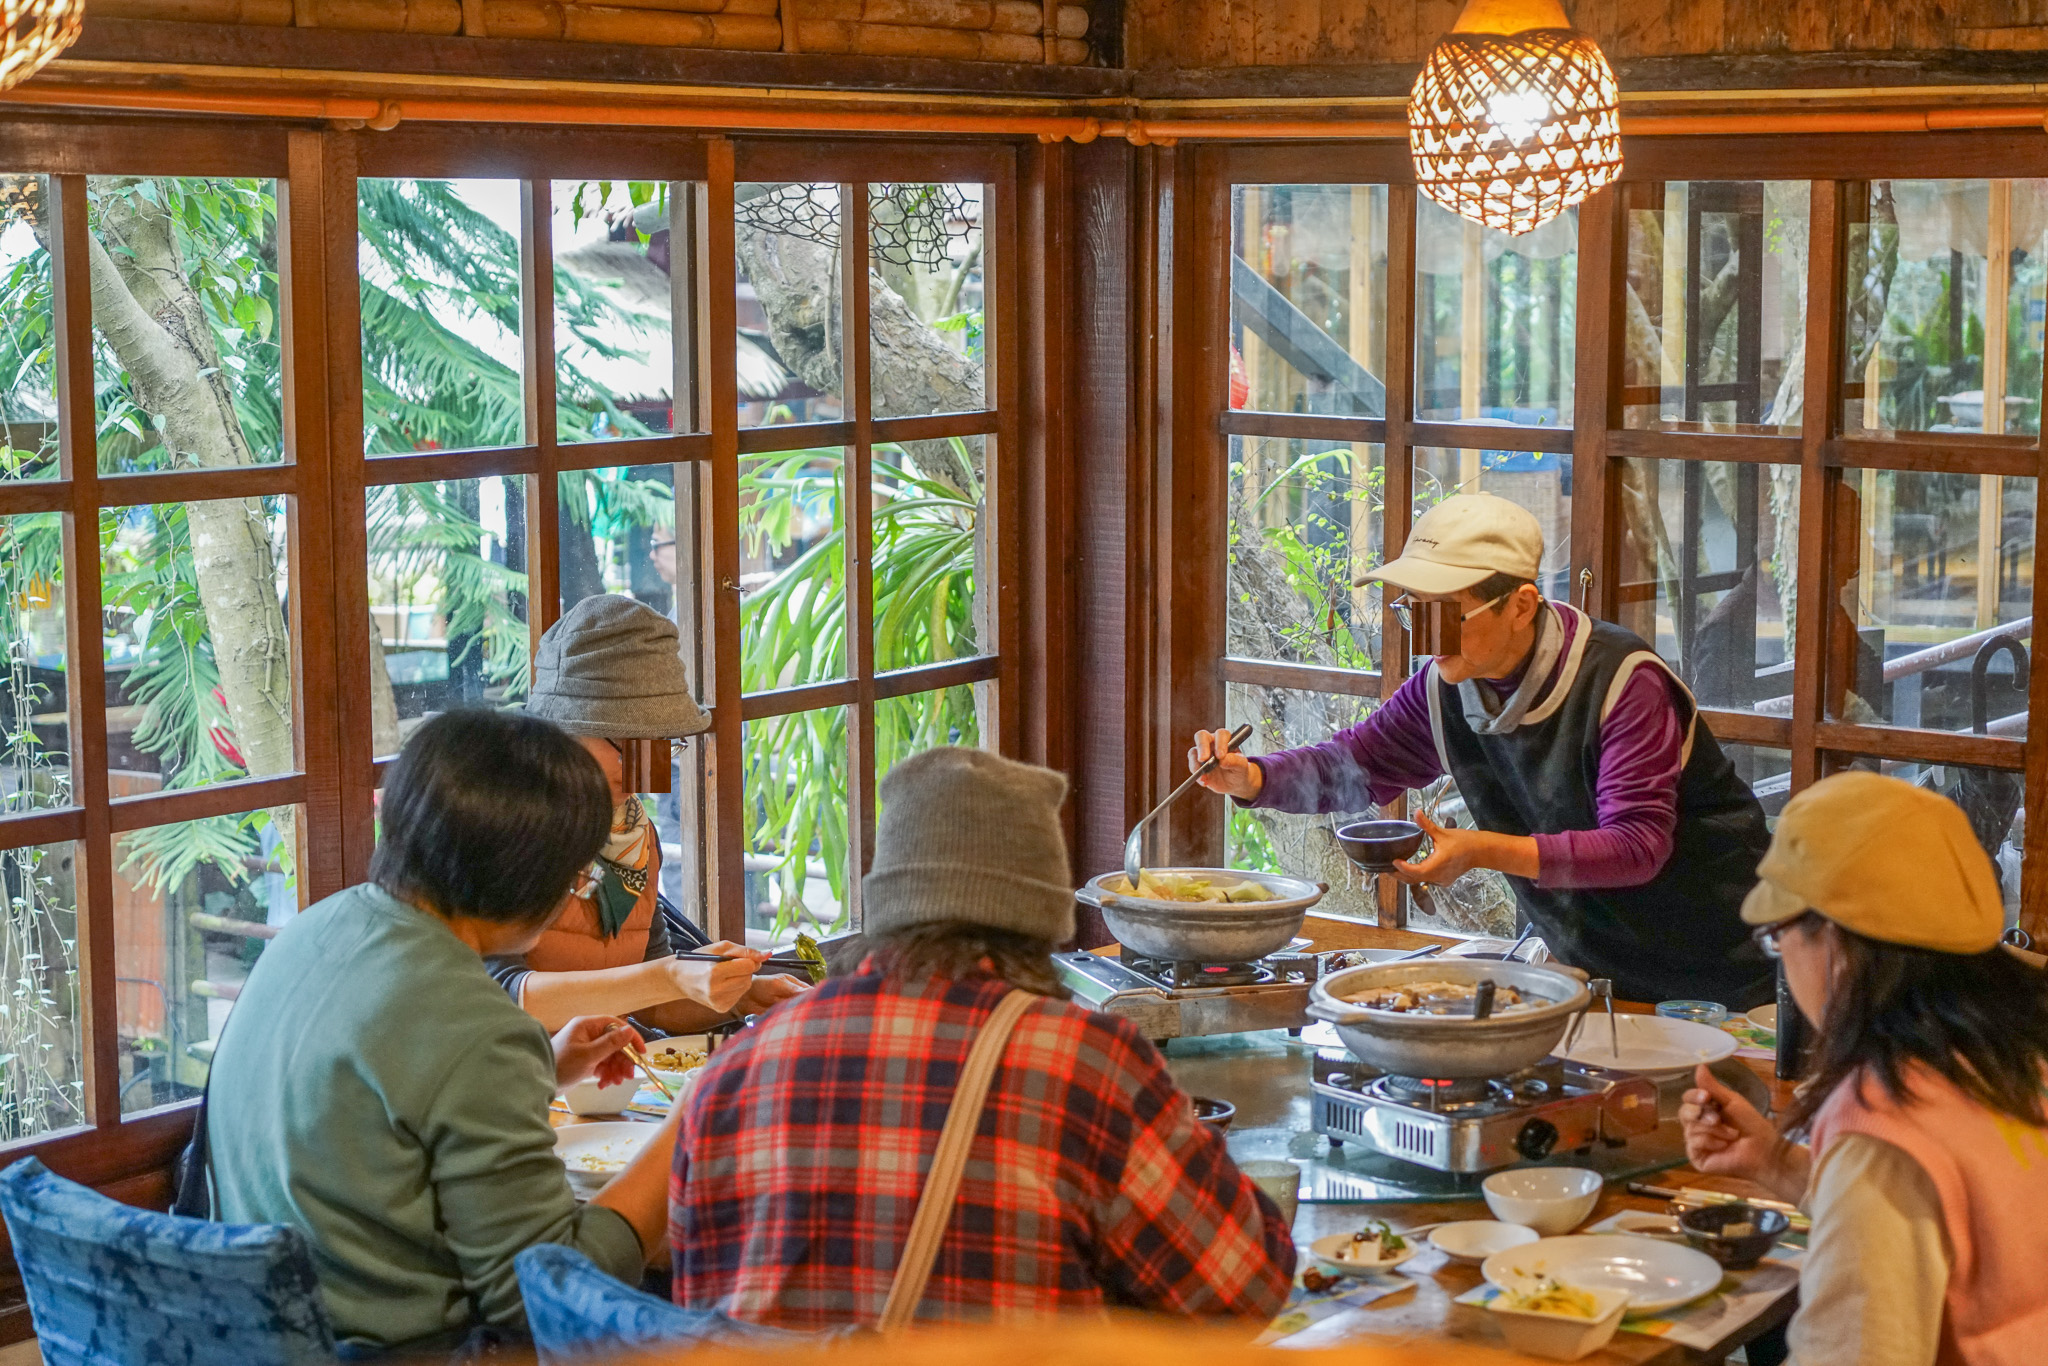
{"x":1161,"y":34}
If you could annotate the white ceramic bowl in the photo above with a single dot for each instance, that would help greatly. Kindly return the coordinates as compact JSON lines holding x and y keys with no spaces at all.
{"x":594,"y":1153}
{"x":587,"y":1097}
{"x":1650,"y":1045}
{"x":1551,"y":1200}
{"x":1324,"y":1250}
{"x":1561,"y":1337}
{"x":1474,"y":1240}
{"x":1655,"y":1275}
{"x":1764,"y":1017}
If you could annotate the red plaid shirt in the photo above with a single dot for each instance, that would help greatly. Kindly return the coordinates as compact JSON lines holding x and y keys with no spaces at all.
{"x":1090,"y":1183}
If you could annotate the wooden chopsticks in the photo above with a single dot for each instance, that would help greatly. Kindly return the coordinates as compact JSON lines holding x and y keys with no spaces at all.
{"x":640,"y":1060}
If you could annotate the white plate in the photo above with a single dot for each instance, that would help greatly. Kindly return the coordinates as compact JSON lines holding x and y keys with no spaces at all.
{"x":620,"y":1141}
{"x":1474,"y":1240}
{"x":1651,"y":1045}
{"x":1324,"y":1250}
{"x":1655,"y":1275}
{"x":1764,"y":1017}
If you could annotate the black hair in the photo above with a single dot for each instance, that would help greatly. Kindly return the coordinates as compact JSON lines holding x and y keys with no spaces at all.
{"x":1978,"y":1020}
{"x":958,"y":948}
{"x":490,"y":814}
{"x":1497,"y":586}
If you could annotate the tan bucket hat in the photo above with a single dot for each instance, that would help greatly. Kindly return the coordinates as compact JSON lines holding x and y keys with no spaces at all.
{"x":1886,"y":859}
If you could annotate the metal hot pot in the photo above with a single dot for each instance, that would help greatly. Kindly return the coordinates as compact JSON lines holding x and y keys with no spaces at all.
{"x":1204,"y":932}
{"x":1451,"y":1046}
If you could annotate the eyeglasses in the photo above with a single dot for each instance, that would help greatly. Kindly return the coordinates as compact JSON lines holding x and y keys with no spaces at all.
{"x":1767,"y":937}
{"x":1404,"y":609}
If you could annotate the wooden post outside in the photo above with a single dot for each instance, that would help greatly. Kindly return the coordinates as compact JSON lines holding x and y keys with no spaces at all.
{"x":1471,"y":344}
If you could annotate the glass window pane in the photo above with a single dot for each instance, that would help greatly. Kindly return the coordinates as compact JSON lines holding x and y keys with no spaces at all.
{"x":615,"y":364}
{"x":1944,"y":560}
{"x":618,"y":534}
{"x":929,"y":549}
{"x":187,"y":333}
{"x":35,"y":725}
{"x":1308,"y":299}
{"x":1305,"y":521}
{"x":1990,"y":797}
{"x":1945,"y":298}
{"x":198,"y":654}
{"x":42,"y":1080}
{"x":1709,"y":563}
{"x":927,"y":720}
{"x":796,"y":854}
{"x":194,"y":904}
{"x":926,"y":310}
{"x":1494,"y":320}
{"x":792,"y":568}
{"x":1766,"y":771}
{"x":1542,"y":483}
{"x":789,"y":303}
{"x":1281,"y":842}
{"x":1716,"y":304}
{"x":442,"y":356}
{"x":28,"y":368}
{"x":447,"y":600}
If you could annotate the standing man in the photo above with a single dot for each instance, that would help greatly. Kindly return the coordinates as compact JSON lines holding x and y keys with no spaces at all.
{"x":1622,"y":827}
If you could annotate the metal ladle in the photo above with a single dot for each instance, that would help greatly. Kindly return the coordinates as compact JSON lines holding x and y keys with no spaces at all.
{"x":1134,"y":846}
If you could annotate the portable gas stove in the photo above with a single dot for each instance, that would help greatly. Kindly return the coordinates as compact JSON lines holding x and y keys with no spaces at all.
{"x":1478,"y":1125}
{"x":1168,"y":1000}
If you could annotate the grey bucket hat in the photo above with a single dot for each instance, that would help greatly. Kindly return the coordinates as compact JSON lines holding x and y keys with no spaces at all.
{"x":612,"y":668}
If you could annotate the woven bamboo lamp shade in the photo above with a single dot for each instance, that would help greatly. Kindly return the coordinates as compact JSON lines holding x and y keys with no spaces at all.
{"x":1515,"y":118}
{"x":32,"y":32}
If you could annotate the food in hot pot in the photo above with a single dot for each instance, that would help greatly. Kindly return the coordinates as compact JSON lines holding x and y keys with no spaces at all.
{"x":1188,"y":887}
{"x":1440,"y":998}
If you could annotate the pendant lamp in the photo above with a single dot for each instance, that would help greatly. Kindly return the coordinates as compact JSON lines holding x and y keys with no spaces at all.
{"x":32,"y":32}
{"x":1516,"y":116}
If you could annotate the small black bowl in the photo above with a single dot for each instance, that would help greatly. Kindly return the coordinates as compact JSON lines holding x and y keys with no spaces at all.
{"x":1706,"y":1229}
{"x":1217,"y":1114}
{"x":1375,"y":844}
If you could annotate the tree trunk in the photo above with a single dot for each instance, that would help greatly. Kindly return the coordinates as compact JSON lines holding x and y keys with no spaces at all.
{"x":150,"y":315}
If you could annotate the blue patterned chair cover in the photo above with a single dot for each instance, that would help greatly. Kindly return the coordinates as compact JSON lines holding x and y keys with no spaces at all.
{"x":112,"y":1285}
{"x":578,"y":1312}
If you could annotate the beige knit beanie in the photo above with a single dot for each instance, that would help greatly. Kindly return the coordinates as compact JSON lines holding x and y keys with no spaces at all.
{"x":971,"y":836}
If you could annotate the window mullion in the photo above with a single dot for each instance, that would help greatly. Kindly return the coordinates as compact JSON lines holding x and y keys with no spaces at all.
{"x":1822,"y":387}
{"x":86,"y":685}
{"x":537,"y":333}
{"x":716,"y":265}
{"x":858,"y":492}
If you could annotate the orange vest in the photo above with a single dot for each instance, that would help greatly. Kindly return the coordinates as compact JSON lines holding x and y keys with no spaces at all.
{"x":575,"y":944}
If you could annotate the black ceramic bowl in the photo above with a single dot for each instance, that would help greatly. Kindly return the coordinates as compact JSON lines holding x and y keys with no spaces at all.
{"x":1706,"y":1229}
{"x":1217,"y":1114}
{"x":1375,"y":844}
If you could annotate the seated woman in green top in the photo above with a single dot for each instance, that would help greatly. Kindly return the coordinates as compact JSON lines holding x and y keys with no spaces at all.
{"x":378,"y":1091}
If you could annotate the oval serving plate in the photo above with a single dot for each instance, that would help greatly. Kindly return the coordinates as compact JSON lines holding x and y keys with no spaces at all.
{"x":1324,"y":1250}
{"x":1655,"y":1275}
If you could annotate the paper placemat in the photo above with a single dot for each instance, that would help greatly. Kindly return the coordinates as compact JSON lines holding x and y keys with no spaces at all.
{"x":1305,"y":1309}
{"x":1752,"y":1041}
{"x":1709,"y":1321}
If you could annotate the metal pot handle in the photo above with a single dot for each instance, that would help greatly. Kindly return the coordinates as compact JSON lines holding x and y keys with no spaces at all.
{"x":1338,"y":1015}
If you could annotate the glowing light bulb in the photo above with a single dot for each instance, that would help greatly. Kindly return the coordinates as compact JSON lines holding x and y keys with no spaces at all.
{"x":1518,"y":114}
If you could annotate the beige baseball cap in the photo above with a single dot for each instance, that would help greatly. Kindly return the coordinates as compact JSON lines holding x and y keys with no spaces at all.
{"x":1461,"y":541}
{"x":1886,"y":859}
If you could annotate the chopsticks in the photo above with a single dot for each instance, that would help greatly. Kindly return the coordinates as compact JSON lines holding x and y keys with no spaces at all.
{"x":1693,"y":1196}
{"x":722,"y":958}
{"x":640,"y":1060}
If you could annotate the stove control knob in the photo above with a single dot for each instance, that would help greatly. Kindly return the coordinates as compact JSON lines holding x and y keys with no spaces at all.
{"x":1536,"y":1139}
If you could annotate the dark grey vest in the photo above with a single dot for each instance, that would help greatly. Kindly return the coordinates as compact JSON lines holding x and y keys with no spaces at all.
{"x":1678,"y":935}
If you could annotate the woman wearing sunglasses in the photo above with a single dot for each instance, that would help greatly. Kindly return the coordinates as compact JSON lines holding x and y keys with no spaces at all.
{"x":1626,"y":834}
{"x":1925,"y":1106}
{"x":610,"y":672}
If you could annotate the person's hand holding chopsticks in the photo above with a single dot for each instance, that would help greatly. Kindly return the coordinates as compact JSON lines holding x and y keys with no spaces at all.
{"x":600,"y":1046}
{"x":719,"y":984}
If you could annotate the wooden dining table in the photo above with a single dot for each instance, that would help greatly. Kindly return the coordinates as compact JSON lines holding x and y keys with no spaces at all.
{"x":1422,"y":1316}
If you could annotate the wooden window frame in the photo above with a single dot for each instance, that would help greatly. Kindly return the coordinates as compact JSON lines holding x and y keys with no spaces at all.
{"x":325,"y":476}
{"x":1193,"y":456}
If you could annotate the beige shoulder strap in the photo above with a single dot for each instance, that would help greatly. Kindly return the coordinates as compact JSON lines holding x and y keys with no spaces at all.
{"x":949,"y":1161}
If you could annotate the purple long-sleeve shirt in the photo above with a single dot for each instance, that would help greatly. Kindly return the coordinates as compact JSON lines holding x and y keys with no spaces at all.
{"x":1392,"y":750}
